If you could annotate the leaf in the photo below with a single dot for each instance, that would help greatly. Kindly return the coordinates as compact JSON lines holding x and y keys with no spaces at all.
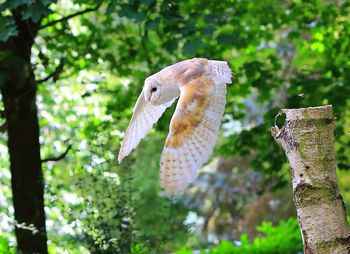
{"x":229,"y":39}
{"x":147,"y":2}
{"x":7,"y":32}
{"x":110,"y":8}
{"x":191,"y":47}
{"x":184,"y":250}
{"x":189,"y":28}
{"x":208,"y":30}
{"x":171,"y":45}
{"x":13,"y":4}
{"x":4,"y":245}
{"x":153,"y":24}
{"x":132,"y":13}
{"x":36,"y":11}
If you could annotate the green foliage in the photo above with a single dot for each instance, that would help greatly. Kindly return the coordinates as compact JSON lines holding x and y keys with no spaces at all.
{"x":31,"y":9}
{"x":167,"y":231}
{"x":7,"y":32}
{"x":37,"y":11}
{"x":284,"y":238}
{"x":282,"y":53}
{"x":7,"y":28}
{"x":140,"y":248}
{"x":5,"y":247}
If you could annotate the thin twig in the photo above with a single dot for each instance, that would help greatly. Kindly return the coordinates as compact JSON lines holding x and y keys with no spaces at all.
{"x":66,"y":18}
{"x":60,"y":157}
{"x":53,"y":75}
{"x":45,"y":79}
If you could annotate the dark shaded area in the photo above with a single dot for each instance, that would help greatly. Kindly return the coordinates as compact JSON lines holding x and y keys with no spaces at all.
{"x":19,"y":97}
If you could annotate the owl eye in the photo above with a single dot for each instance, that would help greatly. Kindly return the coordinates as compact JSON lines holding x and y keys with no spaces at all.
{"x":154,"y":89}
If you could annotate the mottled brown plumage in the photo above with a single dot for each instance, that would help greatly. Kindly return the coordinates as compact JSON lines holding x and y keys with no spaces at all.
{"x":201,"y":85}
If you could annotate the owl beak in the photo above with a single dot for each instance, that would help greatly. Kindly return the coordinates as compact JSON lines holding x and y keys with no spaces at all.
{"x":147,"y":95}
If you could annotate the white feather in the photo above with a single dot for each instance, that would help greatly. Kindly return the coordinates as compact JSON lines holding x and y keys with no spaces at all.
{"x":145,"y":115}
{"x":221,"y":72}
{"x":192,"y":169}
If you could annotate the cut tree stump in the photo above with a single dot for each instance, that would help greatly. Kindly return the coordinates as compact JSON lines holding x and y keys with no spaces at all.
{"x":308,"y":141}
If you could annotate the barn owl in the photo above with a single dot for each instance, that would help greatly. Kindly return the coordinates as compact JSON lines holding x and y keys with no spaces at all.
{"x":200,"y":85}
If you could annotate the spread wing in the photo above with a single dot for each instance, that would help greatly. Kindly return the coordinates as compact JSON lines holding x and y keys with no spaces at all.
{"x":194,"y":128}
{"x":145,"y":115}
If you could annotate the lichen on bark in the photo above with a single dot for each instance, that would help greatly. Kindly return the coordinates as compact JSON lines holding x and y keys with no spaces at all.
{"x":308,"y":141}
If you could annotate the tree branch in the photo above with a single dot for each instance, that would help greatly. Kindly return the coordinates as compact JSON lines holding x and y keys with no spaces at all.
{"x":47,"y":78}
{"x":53,"y":75}
{"x":307,"y":138}
{"x":66,"y":18}
{"x":60,"y":157}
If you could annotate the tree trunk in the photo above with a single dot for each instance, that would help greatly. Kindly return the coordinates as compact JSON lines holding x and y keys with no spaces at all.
{"x":19,"y":98}
{"x":307,"y":139}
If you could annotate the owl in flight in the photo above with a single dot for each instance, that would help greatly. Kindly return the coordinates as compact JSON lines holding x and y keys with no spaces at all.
{"x":200,"y":85}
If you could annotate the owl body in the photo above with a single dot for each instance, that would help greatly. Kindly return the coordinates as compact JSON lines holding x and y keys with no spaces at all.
{"x":200,"y":85}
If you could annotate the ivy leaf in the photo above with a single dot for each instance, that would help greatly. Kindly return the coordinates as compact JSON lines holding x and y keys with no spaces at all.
{"x":16,"y":3}
{"x":7,"y":32}
{"x":35,"y":12}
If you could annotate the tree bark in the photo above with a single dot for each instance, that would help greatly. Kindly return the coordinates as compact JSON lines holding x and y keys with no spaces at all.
{"x":307,"y":139}
{"x":19,"y":98}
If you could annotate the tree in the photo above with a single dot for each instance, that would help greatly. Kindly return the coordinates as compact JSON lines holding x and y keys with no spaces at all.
{"x":291,"y":54}
{"x":308,"y":141}
{"x":18,"y":89}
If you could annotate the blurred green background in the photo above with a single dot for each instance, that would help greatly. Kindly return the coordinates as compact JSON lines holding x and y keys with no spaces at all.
{"x":282,"y":53}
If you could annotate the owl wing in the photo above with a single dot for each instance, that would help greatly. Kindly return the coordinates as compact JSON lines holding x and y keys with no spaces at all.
{"x":194,"y":128}
{"x":145,"y":115}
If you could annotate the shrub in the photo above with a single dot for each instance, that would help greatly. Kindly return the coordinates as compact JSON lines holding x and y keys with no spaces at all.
{"x":284,"y":238}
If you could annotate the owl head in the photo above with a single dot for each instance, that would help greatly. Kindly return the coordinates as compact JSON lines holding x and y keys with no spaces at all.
{"x":153,"y":91}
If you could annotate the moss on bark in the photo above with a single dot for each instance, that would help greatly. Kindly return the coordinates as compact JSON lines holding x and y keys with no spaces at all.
{"x":307,"y":139}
